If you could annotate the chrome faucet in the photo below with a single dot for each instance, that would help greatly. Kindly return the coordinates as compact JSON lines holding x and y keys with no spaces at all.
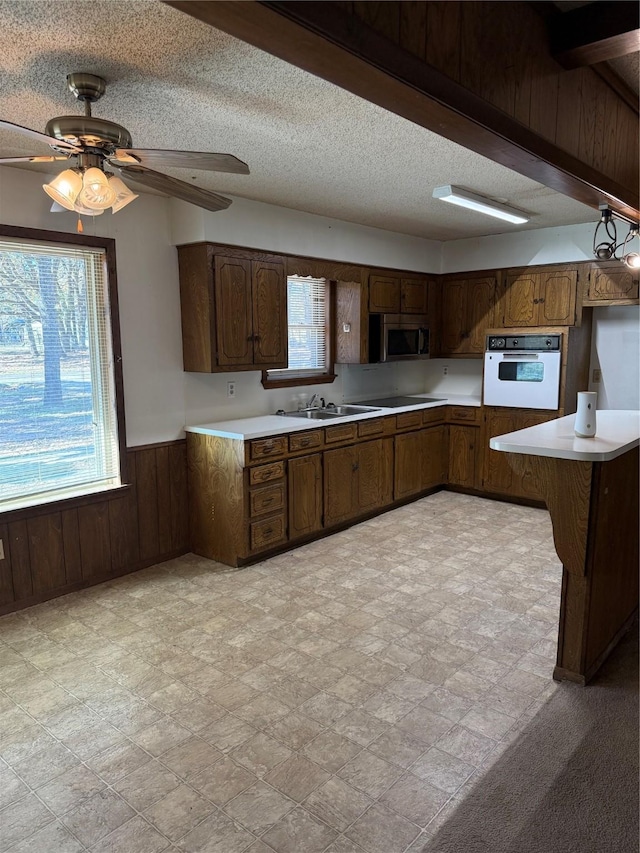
{"x":316,"y":402}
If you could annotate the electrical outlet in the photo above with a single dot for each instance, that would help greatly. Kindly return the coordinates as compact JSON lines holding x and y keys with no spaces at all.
{"x":1,"y":549}
{"x":231,"y":389}
{"x":596,"y":376}
{"x":445,"y":370}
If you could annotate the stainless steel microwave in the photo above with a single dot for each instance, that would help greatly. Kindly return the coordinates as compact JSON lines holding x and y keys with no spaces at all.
{"x":396,"y":337}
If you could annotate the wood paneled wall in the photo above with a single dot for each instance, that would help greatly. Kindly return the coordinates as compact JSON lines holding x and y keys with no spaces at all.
{"x":51,"y":553}
{"x":500,"y":51}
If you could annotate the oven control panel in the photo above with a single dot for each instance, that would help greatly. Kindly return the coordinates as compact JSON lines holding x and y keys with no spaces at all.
{"x":526,"y":343}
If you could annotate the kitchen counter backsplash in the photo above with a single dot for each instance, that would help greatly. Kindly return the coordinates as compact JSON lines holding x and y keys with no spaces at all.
{"x":266,"y":425}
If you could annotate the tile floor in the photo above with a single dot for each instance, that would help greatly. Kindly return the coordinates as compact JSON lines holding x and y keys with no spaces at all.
{"x":340,"y":698}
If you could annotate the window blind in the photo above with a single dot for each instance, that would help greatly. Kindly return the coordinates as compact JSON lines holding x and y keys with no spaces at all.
{"x":58,"y":422}
{"x":307,"y":324}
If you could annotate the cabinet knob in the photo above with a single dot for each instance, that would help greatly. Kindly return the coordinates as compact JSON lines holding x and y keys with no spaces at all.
{"x":355,"y":466}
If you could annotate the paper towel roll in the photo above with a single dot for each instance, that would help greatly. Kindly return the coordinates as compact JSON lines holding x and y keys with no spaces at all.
{"x":585,"y":425}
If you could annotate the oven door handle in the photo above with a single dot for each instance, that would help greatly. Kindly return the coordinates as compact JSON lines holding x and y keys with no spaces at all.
{"x":518,"y":356}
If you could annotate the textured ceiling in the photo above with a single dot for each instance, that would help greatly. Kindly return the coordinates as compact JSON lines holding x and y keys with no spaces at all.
{"x":174,"y":82}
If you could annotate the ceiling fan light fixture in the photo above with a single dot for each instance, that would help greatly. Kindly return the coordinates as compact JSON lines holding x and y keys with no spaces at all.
{"x":123,"y":194}
{"x":65,"y":188}
{"x":479,"y":203}
{"x":96,"y":193}
{"x":86,"y":211}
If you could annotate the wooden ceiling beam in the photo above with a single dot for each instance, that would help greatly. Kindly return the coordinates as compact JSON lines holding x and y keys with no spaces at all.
{"x":321,"y":39}
{"x":595,"y":33}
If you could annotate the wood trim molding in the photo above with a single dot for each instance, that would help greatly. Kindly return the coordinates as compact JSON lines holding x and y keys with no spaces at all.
{"x":332,"y":44}
{"x":595,"y":33}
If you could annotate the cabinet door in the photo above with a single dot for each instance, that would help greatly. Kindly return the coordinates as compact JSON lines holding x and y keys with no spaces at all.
{"x":434,"y":456}
{"x":557,"y":298}
{"x":407,"y":475}
{"x":525,"y":484}
{"x":414,"y":296}
{"x":374,"y":475}
{"x":612,"y":285}
{"x":520,"y":308}
{"x":454,"y":312}
{"x":462,"y":455}
{"x":305,"y":495}
{"x":481,"y":294}
{"x":339,"y":469}
{"x":497,"y":475}
{"x":384,"y":294}
{"x":269,"y":314}
{"x":234,"y":312}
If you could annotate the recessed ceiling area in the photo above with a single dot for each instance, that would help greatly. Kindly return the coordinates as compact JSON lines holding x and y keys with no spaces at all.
{"x":174,"y":82}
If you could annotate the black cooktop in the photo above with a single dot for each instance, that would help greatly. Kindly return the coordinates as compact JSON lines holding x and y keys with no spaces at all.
{"x":396,"y":402}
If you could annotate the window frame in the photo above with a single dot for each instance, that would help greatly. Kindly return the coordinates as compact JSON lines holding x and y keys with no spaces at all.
{"x":108,"y":244}
{"x":273,"y":379}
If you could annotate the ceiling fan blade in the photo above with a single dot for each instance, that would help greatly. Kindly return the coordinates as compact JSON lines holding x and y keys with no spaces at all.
{"x":50,"y":140}
{"x":32,"y":159}
{"x":174,"y":187}
{"x":181,"y":160}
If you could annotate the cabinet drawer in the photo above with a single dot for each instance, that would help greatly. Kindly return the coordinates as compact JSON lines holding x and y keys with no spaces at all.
{"x":345,"y":432}
{"x":304,"y":440}
{"x":268,"y":447}
{"x":265,"y":473}
{"x":409,"y":420}
{"x":433,"y":416}
{"x":373,"y":427}
{"x":467,"y":414}
{"x":267,"y":532}
{"x":266,"y":500}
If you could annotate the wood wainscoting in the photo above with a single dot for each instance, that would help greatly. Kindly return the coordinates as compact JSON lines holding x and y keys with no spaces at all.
{"x":54,"y":549}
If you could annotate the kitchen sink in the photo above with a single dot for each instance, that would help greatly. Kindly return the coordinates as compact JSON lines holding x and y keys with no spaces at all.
{"x":311,"y":414}
{"x":352,"y":410}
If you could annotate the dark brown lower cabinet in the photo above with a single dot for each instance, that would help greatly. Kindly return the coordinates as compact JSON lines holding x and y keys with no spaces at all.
{"x":463,"y":455}
{"x":357,"y":480}
{"x":305,"y":495}
{"x":421,"y":461}
{"x":498,"y":477}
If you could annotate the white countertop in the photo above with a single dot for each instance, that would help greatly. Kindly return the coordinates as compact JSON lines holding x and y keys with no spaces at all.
{"x":617,"y":432}
{"x":266,"y":425}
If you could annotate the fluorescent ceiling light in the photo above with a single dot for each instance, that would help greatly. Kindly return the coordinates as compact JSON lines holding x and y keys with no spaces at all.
{"x":479,"y":203}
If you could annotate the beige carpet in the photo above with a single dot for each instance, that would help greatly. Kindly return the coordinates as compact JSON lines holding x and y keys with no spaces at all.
{"x":570,"y":780}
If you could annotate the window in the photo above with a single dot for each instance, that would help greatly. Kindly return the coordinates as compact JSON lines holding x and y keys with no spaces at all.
{"x":58,"y":413}
{"x":308,"y":321}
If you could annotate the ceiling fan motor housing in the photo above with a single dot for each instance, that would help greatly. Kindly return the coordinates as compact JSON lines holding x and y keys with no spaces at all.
{"x":89,"y":132}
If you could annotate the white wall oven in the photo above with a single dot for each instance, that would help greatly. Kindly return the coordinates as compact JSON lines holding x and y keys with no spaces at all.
{"x":522,"y":371}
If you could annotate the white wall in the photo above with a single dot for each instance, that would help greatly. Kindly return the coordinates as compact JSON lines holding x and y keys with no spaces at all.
{"x":279,"y":229}
{"x":521,"y":248}
{"x":615,"y":348}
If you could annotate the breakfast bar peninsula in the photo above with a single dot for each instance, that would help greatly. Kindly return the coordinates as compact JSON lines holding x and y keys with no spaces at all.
{"x":590,"y":487}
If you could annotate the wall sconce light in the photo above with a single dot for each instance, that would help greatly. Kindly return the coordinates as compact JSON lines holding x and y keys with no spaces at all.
{"x":608,"y":248}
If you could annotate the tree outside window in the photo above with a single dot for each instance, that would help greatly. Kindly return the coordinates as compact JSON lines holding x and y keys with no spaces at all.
{"x":58,"y":421}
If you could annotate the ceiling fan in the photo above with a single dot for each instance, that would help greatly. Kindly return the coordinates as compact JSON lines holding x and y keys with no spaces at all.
{"x":94,"y":143}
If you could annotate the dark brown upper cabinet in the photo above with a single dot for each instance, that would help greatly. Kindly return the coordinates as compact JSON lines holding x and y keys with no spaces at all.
{"x":539,"y":298}
{"x":467,"y":310}
{"x":611,"y":285}
{"x":390,"y":294}
{"x":234,"y":309}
